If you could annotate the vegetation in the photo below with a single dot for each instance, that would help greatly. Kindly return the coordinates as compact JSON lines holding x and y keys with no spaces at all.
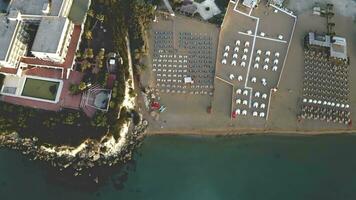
{"x":63,"y":127}
{"x":2,"y":78}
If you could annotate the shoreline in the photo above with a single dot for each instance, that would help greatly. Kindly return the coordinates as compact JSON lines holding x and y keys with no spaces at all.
{"x":239,"y":132}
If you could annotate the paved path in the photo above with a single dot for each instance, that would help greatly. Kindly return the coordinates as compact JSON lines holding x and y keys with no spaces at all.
{"x":169,"y":7}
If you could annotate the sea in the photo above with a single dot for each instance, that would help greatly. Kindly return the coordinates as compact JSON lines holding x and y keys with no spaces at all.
{"x":252,"y":167}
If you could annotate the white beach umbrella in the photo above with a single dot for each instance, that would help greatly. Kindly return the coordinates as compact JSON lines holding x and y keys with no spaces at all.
{"x":237,"y":43}
{"x":305,"y":100}
{"x":257,"y":59}
{"x":262,"y":34}
{"x":262,"y":114}
{"x":245,"y":102}
{"x":275,"y":61}
{"x":226,"y":54}
{"x":238,"y":91}
{"x":238,"y":111}
{"x":256,"y":66}
{"x":231,"y":76}
{"x":233,"y":62}
{"x":236,"y":49}
{"x":255,"y":104}
{"x":238,"y":101}
{"x":259,"y":52}
{"x":245,"y":50}
{"x":265,"y":67}
{"x":223,"y":61}
{"x":245,"y":92}
{"x":255,"y":114}
{"x":244,"y":57}
{"x":264,"y":96}
{"x":253,"y":79}
{"x":276,"y":54}
{"x":244,"y":112}
{"x":235,"y":55}
{"x":268,"y":53}
{"x":266,"y":60}
{"x":239,"y":78}
{"x":280,"y":37}
{"x":247,"y":44}
{"x":227,"y":48}
{"x":257,"y":94}
{"x":243,"y":64}
{"x":274,"y":68}
{"x":263,"y":106}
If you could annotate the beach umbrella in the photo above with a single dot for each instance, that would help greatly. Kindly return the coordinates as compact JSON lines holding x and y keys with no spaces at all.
{"x":268,"y":53}
{"x":255,"y":104}
{"x":247,"y":44}
{"x":257,"y":59}
{"x":254,"y":113}
{"x":237,"y":42}
{"x":245,"y":92}
{"x":245,"y":102}
{"x":244,"y":112}
{"x":244,"y":57}
{"x":266,"y":60}
{"x":276,"y":54}
{"x":239,"y":78}
{"x":238,"y":91}
{"x":235,"y":55}
{"x":227,"y":48}
{"x":257,"y":94}
{"x":259,"y":52}
{"x":243,"y":64}
{"x":265,"y":67}
{"x":226,"y":54}
{"x":253,"y":79}
{"x":264,"y":96}
{"x":238,"y":101}
{"x":233,"y":63}
{"x":256,"y":66}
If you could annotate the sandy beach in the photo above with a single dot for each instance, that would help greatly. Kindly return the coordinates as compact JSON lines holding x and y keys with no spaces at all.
{"x":188,"y":115}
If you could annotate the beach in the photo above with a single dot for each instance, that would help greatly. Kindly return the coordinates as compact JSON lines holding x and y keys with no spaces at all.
{"x":187,"y":114}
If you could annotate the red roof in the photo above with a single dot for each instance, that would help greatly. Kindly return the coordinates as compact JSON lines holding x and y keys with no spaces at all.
{"x":8,"y":70}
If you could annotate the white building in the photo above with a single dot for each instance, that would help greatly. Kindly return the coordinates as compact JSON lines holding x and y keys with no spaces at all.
{"x":36,"y":9}
{"x":12,"y":42}
{"x":52,"y":39}
{"x":336,"y":45}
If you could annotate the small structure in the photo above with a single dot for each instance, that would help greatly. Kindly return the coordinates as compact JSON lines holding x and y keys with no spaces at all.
{"x":188,"y":80}
{"x":251,"y":3}
{"x":336,"y":45}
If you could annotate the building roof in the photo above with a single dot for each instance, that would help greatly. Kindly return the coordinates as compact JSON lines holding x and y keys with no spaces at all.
{"x":250,"y":3}
{"x":337,"y":45}
{"x":277,"y":2}
{"x":338,"y":48}
{"x":36,"y":7}
{"x":49,"y":34}
{"x":319,"y":40}
{"x":7,"y":31}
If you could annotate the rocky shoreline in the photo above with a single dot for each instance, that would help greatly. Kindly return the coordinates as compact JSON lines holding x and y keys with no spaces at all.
{"x":82,"y":160}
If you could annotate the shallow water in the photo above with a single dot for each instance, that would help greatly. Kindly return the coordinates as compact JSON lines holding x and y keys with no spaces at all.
{"x":246,"y":167}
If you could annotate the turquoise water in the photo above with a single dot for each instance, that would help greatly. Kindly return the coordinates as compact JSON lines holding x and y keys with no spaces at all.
{"x":175,"y":168}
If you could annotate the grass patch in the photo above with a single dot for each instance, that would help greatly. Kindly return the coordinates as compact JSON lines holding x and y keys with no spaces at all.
{"x":41,"y":89}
